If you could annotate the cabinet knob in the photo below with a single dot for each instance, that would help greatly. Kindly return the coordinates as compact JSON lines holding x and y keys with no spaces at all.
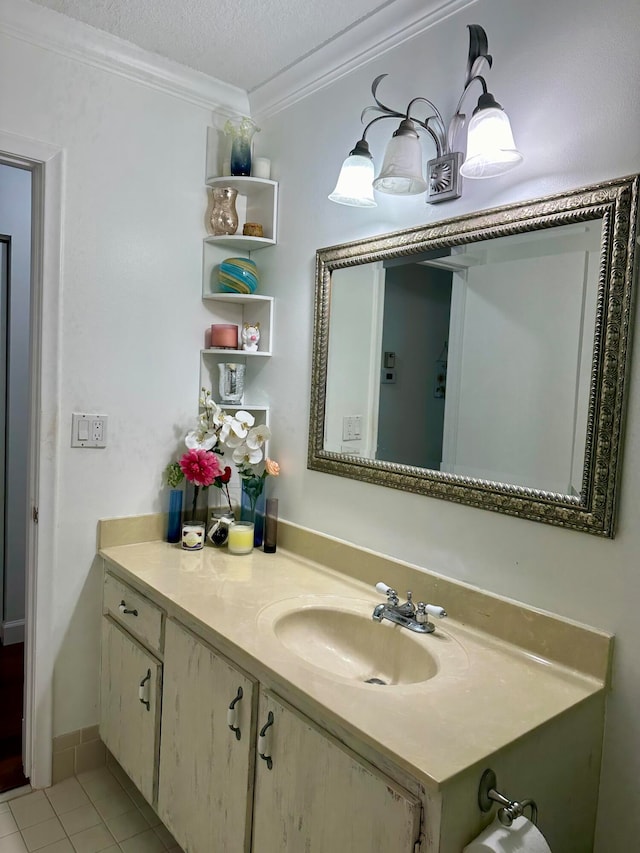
{"x":124,"y":610}
{"x":143,"y":690}
{"x":232,"y":714}
{"x":264,"y":749}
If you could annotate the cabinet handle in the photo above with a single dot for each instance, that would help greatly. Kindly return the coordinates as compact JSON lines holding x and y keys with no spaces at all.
{"x":143,"y":693}
{"x":232,"y":714}
{"x":263,"y":747}
{"x":123,"y":609}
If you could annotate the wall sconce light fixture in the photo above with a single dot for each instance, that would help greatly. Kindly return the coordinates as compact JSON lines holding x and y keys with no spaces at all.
{"x":491,"y":150}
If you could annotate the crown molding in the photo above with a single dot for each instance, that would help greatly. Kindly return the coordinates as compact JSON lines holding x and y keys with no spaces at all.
{"x":365,"y":40}
{"x":42,"y":27}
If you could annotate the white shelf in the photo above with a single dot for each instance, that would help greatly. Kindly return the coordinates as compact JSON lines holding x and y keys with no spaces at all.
{"x":234,"y":352}
{"x":239,"y":242}
{"x":257,"y":201}
{"x":243,"y":184}
{"x":238,"y":298}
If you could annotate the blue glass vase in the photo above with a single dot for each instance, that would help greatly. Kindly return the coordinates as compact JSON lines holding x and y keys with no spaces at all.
{"x":174,"y":526}
{"x":240,"y":157}
{"x":252,"y":506}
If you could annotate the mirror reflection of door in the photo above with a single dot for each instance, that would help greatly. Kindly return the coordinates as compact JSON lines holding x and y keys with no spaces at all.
{"x":417,"y":307}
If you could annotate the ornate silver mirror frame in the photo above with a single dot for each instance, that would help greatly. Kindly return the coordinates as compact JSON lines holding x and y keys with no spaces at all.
{"x":594,"y":509}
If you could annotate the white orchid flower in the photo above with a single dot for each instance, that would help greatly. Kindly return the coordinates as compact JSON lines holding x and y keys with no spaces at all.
{"x":244,"y":422}
{"x":233,"y":441}
{"x":257,"y":436}
{"x":229,"y":428}
{"x":201,"y":440}
{"x":244,"y":455}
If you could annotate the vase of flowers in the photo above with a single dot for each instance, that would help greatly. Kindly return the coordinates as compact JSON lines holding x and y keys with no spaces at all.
{"x":215,"y":433}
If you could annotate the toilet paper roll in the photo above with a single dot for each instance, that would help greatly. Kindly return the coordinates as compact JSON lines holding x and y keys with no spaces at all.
{"x":521,"y":837}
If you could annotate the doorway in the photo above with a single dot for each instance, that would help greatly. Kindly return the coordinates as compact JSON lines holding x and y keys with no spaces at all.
{"x":15,"y":383}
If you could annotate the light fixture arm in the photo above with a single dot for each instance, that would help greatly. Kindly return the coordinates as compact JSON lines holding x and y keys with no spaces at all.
{"x":458,"y":119}
{"x":437,"y":133}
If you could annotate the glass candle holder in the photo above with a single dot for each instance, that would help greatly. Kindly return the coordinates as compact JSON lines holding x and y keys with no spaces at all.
{"x":240,"y":540}
{"x":231,"y":382}
{"x":192,"y":536}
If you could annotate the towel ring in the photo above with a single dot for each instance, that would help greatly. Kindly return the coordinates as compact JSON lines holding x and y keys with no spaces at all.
{"x":509,"y":809}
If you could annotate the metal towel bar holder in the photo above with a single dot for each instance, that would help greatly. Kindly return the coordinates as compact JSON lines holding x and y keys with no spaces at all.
{"x":509,"y":809}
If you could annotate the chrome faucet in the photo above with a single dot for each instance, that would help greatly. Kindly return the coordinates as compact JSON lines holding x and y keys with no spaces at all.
{"x":408,"y":615}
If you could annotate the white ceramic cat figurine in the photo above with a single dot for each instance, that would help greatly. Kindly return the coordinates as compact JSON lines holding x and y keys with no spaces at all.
{"x":250,"y":337}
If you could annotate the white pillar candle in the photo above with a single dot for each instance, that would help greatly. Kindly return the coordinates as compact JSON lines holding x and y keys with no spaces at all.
{"x":261,"y":167}
{"x":240,"y":539}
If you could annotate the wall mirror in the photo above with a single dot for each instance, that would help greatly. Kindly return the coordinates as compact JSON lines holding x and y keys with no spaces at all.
{"x":483,"y":359}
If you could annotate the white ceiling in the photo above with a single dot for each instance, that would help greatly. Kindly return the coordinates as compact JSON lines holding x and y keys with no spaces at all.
{"x":243,"y":42}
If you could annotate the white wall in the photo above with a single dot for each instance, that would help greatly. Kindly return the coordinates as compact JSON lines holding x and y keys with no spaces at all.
{"x":520,"y":348}
{"x":132,"y":317}
{"x":15,"y":221}
{"x":567,"y":73}
{"x":354,"y":344}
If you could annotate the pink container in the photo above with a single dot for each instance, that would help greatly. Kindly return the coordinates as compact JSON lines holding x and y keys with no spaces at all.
{"x":224,"y":336}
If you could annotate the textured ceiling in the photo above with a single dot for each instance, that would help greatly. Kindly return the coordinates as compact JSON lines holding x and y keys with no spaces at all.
{"x":242,"y":42}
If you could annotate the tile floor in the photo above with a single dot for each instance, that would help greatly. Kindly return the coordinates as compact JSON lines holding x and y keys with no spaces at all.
{"x":99,"y":811}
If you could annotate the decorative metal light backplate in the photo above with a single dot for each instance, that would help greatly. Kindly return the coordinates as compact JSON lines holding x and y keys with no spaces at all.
{"x":443,"y":175}
{"x":594,"y":510}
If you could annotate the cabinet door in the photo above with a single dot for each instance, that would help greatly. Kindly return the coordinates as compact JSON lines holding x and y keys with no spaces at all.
{"x":130,"y":706}
{"x":319,"y":797}
{"x":206,"y":771}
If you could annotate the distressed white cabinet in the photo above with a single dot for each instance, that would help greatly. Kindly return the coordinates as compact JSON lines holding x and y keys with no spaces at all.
{"x":168,"y":721}
{"x":206,"y":768}
{"x":314,"y":795}
{"x":131,"y":684}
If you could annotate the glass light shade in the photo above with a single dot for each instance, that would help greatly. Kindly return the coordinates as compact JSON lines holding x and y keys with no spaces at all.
{"x":354,"y":185}
{"x":491,"y":149}
{"x":401,"y":172}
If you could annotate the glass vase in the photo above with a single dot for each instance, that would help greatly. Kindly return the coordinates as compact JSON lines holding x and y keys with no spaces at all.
{"x":224,"y":216}
{"x":252,"y":506}
{"x":195,"y":502}
{"x":241,"y":135}
{"x":174,"y":524}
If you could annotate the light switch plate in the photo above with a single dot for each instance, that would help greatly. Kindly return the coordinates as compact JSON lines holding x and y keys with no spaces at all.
{"x":88,"y":430}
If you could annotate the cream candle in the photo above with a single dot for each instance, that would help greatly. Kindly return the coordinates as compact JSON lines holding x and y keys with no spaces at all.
{"x":240,"y":539}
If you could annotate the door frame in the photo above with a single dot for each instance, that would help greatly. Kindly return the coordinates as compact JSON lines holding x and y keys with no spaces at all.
{"x":46,"y":163}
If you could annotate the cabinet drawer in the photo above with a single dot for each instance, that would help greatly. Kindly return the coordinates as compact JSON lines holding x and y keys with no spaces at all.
{"x":140,"y":617}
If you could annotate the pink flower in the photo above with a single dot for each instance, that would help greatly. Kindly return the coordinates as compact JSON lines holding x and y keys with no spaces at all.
{"x":271,"y":467}
{"x":200,"y":467}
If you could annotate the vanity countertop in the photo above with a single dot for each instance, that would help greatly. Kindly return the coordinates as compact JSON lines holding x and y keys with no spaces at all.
{"x":433,"y":730}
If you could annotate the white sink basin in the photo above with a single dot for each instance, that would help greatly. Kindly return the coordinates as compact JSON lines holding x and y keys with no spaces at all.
{"x":340,"y":637}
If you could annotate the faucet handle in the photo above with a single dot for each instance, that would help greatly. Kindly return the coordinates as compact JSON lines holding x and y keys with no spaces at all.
{"x":385,"y":589}
{"x":423,"y":611}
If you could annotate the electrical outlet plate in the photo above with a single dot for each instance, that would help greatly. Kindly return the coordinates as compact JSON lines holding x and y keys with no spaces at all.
{"x":88,"y":430}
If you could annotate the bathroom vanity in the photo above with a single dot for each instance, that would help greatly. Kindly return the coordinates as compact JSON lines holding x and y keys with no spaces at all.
{"x":237,"y":695}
